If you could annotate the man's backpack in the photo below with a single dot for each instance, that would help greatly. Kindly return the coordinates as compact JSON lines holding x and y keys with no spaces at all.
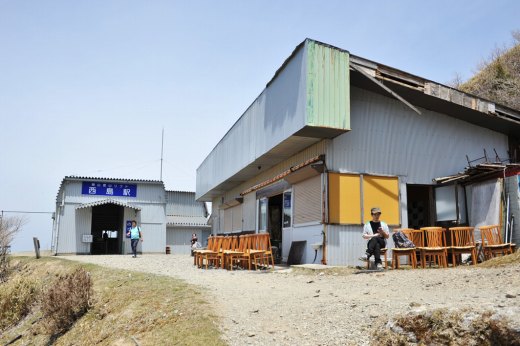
{"x":401,"y":240}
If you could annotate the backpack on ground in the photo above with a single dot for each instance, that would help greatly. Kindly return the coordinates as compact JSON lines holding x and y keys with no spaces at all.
{"x":401,"y":240}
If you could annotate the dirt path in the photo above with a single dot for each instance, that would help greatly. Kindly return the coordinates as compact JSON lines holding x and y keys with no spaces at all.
{"x":282,"y":307}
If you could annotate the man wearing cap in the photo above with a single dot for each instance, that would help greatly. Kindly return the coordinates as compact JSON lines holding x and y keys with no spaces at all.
{"x":375,"y":232}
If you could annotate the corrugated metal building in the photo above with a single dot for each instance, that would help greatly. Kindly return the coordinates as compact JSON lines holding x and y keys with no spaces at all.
{"x":332,"y":135}
{"x":86,"y":207}
{"x":185,"y":216}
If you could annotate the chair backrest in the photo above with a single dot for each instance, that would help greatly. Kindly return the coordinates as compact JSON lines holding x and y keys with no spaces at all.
{"x":434,"y":237}
{"x":217,"y":243}
{"x":226,"y":243}
{"x":416,"y":236}
{"x":491,"y":235}
{"x":462,"y":236}
{"x":264,"y":242}
{"x":243,"y":243}
{"x":408,"y":232}
{"x":234,"y":243}
{"x":211,"y":241}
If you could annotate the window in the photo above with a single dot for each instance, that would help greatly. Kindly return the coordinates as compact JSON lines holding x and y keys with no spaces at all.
{"x":344,"y":198}
{"x":382,"y":192}
{"x":307,"y":201}
{"x":345,"y":203}
{"x":262,"y":214}
{"x":287,"y":209}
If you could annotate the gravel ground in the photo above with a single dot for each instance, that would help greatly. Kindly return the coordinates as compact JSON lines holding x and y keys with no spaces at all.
{"x":287,"y":307}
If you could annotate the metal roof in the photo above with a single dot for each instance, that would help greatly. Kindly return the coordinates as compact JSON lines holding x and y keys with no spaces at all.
{"x":75,"y":177}
{"x":106,"y":201}
{"x":187,"y":221}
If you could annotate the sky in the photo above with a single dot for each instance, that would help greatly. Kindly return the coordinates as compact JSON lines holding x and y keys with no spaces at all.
{"x":86,"y":87}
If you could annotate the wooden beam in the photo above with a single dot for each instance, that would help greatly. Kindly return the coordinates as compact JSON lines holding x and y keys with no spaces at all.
{"x":387,"y":89}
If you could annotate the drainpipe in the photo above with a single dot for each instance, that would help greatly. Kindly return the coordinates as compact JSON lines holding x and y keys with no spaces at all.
{"x":325,"y":215}
{"x":324,"y":247}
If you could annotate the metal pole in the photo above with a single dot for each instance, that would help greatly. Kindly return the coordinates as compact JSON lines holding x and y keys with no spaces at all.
{"x":162,"y":147}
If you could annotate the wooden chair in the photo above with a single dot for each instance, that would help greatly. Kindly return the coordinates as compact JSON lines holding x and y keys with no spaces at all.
{"x":411,"y":234}
{"x":462,"y":241}
{"x":198,"y":252}
{"x":434,"y":246}
{"x":244,"y":255}
{"x":219,"y":259}
{"x":233,"y":246}
{"x":257,"y":250}
{"x":384,"y":254}
{"x":492,"y":243}
{"x":213,"y":254}
{"x":266,"y":252}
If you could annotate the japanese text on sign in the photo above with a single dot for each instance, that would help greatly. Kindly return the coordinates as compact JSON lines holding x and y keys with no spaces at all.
{"x":108,"y":189}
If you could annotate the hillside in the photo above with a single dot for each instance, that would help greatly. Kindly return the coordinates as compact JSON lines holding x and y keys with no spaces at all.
{"x":498,"y":79}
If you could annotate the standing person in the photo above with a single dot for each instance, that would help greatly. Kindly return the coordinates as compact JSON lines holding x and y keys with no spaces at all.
{"x":135,"y":235}
{"x":375,"y":232}
{"x":194,"y":240}
{"x":105,"y":241}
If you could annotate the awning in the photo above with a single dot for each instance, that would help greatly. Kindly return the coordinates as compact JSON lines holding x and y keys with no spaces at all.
{"x":107,"y":201}
{"x":479,"y":172}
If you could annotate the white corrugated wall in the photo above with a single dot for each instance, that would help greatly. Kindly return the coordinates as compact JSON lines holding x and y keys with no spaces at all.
{"x":278,"y":111}
{"x":388,"y":138}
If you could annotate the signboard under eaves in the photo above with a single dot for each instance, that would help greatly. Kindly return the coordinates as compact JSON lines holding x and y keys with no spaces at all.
{"x":307,"y":100}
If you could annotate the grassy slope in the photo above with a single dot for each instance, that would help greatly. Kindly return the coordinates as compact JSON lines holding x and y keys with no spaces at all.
{"x":152,"y":309}
{"x":499,"y":80}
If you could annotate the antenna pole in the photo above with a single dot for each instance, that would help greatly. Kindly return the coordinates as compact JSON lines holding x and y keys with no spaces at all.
{"x":162,"y":147}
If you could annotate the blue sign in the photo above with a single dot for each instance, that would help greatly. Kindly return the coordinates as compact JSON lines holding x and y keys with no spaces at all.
{"x":108,"y":189}
{"x":128,"y":227}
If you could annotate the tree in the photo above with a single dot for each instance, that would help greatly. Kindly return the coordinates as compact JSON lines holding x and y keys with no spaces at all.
{"x":9,"y":227}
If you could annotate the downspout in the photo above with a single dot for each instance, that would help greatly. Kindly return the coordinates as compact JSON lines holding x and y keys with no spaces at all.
{"x":325,"y":214}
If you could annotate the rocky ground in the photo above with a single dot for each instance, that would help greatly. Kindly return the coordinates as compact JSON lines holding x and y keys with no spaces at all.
{"x":314,"y":307}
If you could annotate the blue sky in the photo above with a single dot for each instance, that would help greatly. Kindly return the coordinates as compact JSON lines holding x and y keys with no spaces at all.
{"x":87,"y":86}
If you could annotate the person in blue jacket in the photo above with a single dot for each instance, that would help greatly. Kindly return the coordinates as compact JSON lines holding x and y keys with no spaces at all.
{"x":135,"y":235}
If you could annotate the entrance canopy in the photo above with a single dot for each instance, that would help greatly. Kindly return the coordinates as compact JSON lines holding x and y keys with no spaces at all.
{"x":107,"y":201}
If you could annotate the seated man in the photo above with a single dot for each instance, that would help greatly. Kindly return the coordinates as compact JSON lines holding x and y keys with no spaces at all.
{"x":375,"y":232}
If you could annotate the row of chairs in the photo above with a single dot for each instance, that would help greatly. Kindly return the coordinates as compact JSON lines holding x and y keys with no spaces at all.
{"x":229,"y":251}
{"x":430,"y":242}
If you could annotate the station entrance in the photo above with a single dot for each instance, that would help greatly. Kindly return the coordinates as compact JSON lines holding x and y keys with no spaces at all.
{"x":107,"y":230}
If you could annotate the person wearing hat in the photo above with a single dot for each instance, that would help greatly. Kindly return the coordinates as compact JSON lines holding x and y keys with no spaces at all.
{"x":375,"y":232}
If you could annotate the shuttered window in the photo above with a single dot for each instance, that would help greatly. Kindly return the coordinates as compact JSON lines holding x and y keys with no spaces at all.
{"x":249,"y":212}
{"x":344,"y":198}
{"x":228,"y":220}
{"x":307,"y":200}
{"x":221,"y":220}
{"x":236,"y":218}
{"x":233,"y":219}
{"x":382,"y":192}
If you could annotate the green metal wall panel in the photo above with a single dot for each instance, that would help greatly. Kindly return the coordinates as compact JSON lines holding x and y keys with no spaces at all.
{"x":328,"y":86}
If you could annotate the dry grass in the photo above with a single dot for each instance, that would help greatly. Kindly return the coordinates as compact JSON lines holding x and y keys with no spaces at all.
{"x":17,"y":297}
{"x":501,"y":261}
{"x":443,"y":327}
{"x":66,"y":300}
{"x":153,"y":310}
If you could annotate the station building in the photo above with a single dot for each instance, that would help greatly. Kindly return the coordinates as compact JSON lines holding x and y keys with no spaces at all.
{"x":88,"y":207}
